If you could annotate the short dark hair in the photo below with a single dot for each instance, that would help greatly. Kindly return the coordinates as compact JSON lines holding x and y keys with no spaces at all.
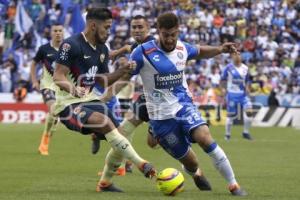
{"x":167,"y":20}
{"x":57,"y":24}
{"x":139,"y":17}
{"x":99,"y":13}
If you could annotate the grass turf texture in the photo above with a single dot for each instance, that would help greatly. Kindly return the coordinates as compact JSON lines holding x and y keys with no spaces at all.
{"x":268,"y":167}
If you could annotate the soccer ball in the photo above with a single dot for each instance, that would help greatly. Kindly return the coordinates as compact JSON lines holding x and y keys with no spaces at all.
{"x":170,"y":181}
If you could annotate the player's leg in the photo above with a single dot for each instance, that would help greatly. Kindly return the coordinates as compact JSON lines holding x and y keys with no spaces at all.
{"x":91,"y":118}
{"x":247,"y":115}
{"x":231,"y":114}
{"x":171,"y":138}
{"x":202,"y":136}
{"x":193,"y":124}
{"x":134,"y":117}
{"x":191,"y":167}
{"x":50,"y":122}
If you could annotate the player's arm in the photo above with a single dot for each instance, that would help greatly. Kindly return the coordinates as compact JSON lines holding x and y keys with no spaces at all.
{"x":248,"y":84}
{"x":35,"y":82}
{"x":68,"y":52}
{"x":120,"y":84}
{"x":107,"y":79}
{"x":38,"y":57}
{"x":223,"y":83}
{"x":60,"y":79}
{"x":123,"y":50}
{"x":207,"y":51}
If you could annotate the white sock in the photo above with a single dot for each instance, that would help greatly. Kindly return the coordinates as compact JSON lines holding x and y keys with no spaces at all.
{"x":221,"y":163}
{"x":247,"y":123}
{"x":229,"y":122}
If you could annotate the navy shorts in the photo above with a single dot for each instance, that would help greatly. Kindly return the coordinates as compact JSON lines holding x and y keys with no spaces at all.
{"x":75,"y":116}
{"x":48,"y":95}
{"x":140,"y":109}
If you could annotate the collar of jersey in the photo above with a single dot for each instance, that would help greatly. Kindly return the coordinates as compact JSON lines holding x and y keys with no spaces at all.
{"x":94,"y":47}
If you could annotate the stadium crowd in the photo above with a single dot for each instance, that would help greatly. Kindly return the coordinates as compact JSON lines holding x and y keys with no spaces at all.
{"x":267,"y":33}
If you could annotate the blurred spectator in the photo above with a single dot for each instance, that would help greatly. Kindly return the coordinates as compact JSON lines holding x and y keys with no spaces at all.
{"x":268,"y":34}
{"x":272,"y":100}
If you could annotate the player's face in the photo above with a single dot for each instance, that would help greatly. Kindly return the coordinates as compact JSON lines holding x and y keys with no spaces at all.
{"x":139,"y":30}
{"x":57,"y":33}
{"x":236,"y":59}
{"x":168,"y":38}
{"x":122,"y":61}
{"x":102,"y":31}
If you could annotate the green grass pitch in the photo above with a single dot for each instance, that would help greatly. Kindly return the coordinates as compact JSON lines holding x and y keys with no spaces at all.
{"x":268,"y":167}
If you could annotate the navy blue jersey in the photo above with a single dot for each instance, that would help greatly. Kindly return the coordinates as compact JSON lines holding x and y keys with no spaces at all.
{"x":83,"y":59}
{"x":46,"y":54}
{"x":85,"y":62}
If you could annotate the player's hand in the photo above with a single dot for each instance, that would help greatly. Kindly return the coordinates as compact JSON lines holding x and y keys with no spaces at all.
{"x":129,"y":67}
{"x":229,"y":47}
{"x":36,"y":85}
{"x":113,"y":55}
{"x":80,"y":92}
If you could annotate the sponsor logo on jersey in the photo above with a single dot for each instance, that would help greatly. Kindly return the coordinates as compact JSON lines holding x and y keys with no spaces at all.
{"x":156,"y":58}
{"x":168,"y":81}
{"x":90,"y":75}
{"x":148,"y":51}
{"x":86,"y":57}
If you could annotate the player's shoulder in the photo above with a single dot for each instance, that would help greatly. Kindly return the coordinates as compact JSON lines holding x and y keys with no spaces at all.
{"x":73,"y":40}
{"x":244,"y":66}
{"x":45,"y":47}
{"x":147,"y":48}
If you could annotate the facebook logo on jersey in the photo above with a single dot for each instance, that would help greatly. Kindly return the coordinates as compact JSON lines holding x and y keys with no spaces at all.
{"x":167,"y":81}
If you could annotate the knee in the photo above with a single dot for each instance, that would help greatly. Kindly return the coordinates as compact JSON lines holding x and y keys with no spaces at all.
{"x":202,"y":136}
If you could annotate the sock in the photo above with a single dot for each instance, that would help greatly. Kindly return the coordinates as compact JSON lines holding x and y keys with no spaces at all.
{"x":221,"y":162}
{"x":229,"y":122}
{"x":192,"y":173}
{"x":112,"y":162}
{"x":123,"y":147}
{"x":50,"y":124}
{"x":128,"y":131}
{"x":247,"y":123}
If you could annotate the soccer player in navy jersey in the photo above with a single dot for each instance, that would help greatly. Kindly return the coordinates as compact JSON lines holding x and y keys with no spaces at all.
{"x":237,"y":77}
{"x":46,"y":55}
{"x":82,"y":61}
{"x":175,"y":120}
{"x":139,"y":28}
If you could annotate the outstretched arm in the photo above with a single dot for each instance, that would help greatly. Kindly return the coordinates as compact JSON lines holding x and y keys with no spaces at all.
{"x":212,"y":51}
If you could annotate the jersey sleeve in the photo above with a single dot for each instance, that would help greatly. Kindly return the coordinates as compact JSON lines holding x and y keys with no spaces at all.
{"x":39,"y":55}
{"x":192,"y":50}
{"x":224,"y":74}
{"x":104,"y":55}
{"x":68,"y":53}
{"x":137,"y":56}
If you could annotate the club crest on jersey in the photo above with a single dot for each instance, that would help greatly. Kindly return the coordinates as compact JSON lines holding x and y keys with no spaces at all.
{"x":180,"y":55}
{"x":102,"y":57}
{"x":65,"y":49}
